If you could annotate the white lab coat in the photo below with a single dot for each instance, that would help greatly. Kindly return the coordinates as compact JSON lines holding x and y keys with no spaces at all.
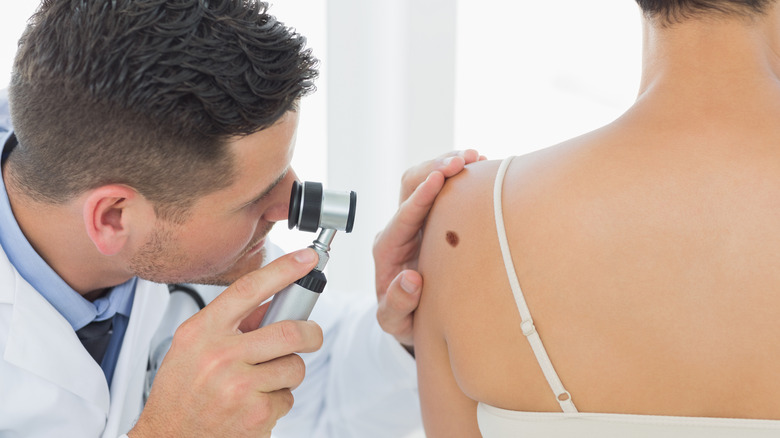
{"x":360,"y":384}
{"x":49,"y":384}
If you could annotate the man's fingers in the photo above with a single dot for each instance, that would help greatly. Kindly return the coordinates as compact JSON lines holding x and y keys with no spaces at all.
{"x":253,"y":320}
{"x":412,"y":212}
{"x":286,"y":372}
{"x":448,"y":164}
{"x":398,"y":243}
{"x":242,"y":297}
{"x":279,"y":403}
{"x":280,"y":339}
{"x":453,"y":165}
{"x":396,"y":307}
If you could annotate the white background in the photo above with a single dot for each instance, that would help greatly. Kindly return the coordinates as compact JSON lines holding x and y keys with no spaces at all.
{"x":409,"y":79}
{"x":406,"y":80}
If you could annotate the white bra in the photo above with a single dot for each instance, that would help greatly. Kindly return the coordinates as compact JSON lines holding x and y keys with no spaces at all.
{"x":497,"y":422}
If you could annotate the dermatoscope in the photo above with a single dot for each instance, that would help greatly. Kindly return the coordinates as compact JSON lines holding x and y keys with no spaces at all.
{"x":312,"y":208}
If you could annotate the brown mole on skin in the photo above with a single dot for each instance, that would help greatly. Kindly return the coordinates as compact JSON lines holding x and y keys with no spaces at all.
{"x":452,"y":239}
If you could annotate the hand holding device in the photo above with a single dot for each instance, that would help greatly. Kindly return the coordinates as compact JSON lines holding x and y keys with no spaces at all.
{"x":219,"y":381}
{"x":312,"y":208}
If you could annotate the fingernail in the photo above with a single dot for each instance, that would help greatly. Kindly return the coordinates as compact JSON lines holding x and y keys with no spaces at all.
{"x":305,"y":256}
{"x":408,"y":286}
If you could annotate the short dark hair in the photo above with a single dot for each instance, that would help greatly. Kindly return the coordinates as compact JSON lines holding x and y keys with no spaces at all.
{"x":148,"y":93}
{"x":675,"y":11}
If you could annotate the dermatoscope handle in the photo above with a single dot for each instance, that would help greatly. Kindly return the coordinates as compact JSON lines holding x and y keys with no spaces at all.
{"x":297,"y":300}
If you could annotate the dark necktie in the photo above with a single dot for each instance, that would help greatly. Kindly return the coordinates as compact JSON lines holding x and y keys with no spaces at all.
{"x":95,"y":337}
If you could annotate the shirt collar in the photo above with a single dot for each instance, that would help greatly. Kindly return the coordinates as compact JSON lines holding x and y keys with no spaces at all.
{"x":76,"y":309}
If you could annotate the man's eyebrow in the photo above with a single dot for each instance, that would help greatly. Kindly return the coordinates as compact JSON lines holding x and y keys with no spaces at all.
{"x":269,"y":189}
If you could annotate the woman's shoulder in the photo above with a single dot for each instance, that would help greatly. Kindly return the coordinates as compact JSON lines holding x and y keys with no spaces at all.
{"x":466,"y":299}
{"x":461,"y":216}
{"x":460,"y":247}
{"x":465,"y":206}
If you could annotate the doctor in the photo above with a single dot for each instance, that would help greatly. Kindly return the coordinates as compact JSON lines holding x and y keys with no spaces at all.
{"x":151,"y":144}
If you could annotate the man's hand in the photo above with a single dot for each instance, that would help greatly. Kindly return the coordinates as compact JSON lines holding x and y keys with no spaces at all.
{"x":397,"y":247}
{"x":218,"y":380}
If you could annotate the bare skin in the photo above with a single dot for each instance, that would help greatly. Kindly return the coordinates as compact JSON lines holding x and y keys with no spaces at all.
{"x":646,"y":250}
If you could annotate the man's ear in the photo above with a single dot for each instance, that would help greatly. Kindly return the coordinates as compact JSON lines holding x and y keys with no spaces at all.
{"x":106,"y":216}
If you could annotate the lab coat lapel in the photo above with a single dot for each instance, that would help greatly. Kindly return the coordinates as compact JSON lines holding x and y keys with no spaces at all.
{"x":42,"y":342}
{"x":127,"y":387}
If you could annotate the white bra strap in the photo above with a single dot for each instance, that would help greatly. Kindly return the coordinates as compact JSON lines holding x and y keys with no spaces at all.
{"x":527,"y":324}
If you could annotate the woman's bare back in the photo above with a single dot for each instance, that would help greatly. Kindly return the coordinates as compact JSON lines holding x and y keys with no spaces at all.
{"x":650,"y":264}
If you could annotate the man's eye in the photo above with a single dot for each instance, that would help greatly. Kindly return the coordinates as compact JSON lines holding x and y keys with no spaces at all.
{"x":259,"y":200}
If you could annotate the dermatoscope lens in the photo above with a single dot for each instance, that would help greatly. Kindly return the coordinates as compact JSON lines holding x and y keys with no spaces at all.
{"x":311,"y":208}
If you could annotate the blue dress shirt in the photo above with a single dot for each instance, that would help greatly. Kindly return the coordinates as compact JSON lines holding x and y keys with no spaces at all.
{"x":76,"y":309}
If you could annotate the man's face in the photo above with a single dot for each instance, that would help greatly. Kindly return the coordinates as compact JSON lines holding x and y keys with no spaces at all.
{"x":223,"y":237}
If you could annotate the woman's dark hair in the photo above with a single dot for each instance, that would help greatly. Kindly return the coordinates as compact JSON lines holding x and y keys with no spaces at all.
{"x":148,"y":93}
{"x":674,"y":11}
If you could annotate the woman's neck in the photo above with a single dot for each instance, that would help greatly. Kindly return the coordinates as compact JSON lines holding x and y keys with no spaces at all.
{"x":711,"y":58}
